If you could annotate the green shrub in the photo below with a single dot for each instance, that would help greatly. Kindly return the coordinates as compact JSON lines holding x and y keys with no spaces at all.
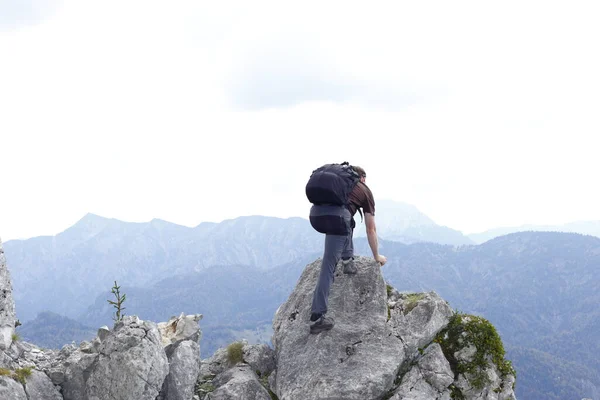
{"x":4,"y":372}
{"x":235,"y":352}
{"x":21,"y":374}
{"x":16,"y":337}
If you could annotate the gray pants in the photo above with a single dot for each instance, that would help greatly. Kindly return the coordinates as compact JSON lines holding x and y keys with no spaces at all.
{"x":336,"y":247}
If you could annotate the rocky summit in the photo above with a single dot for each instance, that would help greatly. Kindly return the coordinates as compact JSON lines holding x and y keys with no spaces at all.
{"x":384,"y":345}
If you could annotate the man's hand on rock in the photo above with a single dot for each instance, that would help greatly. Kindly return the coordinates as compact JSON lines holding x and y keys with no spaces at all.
{"x":381,"y":259}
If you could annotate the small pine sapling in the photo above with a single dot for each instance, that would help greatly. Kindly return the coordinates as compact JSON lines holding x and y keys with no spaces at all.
{"x":118,"y":304}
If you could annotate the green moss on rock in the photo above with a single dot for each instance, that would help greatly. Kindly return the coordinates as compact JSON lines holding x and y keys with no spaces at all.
{"x":465,"y":330}
{"x":389,"y":289}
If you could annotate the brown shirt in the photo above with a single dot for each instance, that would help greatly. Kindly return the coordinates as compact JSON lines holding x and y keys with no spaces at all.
{"x":361,"y":196}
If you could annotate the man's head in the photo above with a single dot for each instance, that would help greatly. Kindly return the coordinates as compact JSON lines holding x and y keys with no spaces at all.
{"x":361,"y":172}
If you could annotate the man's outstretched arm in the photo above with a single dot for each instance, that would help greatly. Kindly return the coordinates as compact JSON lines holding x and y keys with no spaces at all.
{"x":372,"y":238}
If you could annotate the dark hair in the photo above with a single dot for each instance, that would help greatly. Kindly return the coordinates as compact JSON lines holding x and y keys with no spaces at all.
{"x":361,"y":172}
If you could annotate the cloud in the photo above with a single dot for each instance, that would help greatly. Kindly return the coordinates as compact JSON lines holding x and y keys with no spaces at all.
{"x":15,"y":14}
{"x":284,"y":74}
{"x":480,"y":114}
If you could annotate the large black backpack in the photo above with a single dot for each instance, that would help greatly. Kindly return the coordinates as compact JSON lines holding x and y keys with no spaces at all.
{"x":331,"y":184}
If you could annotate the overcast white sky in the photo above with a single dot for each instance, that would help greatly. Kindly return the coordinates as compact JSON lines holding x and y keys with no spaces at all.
{"x":481,"y":114}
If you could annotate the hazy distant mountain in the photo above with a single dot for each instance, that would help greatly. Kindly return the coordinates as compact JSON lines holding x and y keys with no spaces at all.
{"x":64,"y":273}
{"x":583,"y":227}
{"x":402,"y":222}
{"x":540,"y":289}
{"x":52,"y":331}
{"x":542,"y":376}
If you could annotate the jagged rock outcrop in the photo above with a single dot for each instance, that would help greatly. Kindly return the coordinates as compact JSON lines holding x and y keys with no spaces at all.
{"x":384,"y":345}
{"x":7,"y":305}
{"x":183,"y":327}
{"x":181,"y":336}
{"x":11,"y":389}
{"x":23,"y":363}
{"x":240,"y":371}
{"x":429,"y":379}
{"x":39,"y":387}
{"x":358,"y":359}
{"x":135,"y":360}
{"x":129,"y":364}
{"x":239,"y":382}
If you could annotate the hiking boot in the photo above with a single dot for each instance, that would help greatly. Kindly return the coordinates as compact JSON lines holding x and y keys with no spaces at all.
{"x":349,"y":267}
{"x":323,"y":324}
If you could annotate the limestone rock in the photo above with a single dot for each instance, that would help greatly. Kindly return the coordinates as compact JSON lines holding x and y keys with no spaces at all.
{"x":77,"y":369}
{"x":103,"y":333}
{"x":184,"y":327}
{"x":184,"y":368}
{"x":466,"y":353}
{"x":417,"y":318}
{"x":39,"y":387}
{"x":58,"y":366}
{"x":495,"y":388}
{"x":260,"y":357}
{"x":11,"y":389}
{"x":429,"y":379}
{"x":358,"y":359}
{"x":384,"y":344}
{"x":220,"y":377}
{"x":216,"y":364}
{"x":415,"y":387}
{"x":7,"y":305}
{"x":435,"y":368}
{"x":239,"y":383}
{"x":130,"y":364}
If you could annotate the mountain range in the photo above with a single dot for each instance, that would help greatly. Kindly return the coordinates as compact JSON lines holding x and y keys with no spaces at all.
{"x":402,"y":222}
{"x":591,"y":228}
{"x":537,"y":288}
{"x":60,"y":273}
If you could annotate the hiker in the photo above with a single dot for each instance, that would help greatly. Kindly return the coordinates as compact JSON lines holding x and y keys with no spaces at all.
{"x":334,"y":216}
